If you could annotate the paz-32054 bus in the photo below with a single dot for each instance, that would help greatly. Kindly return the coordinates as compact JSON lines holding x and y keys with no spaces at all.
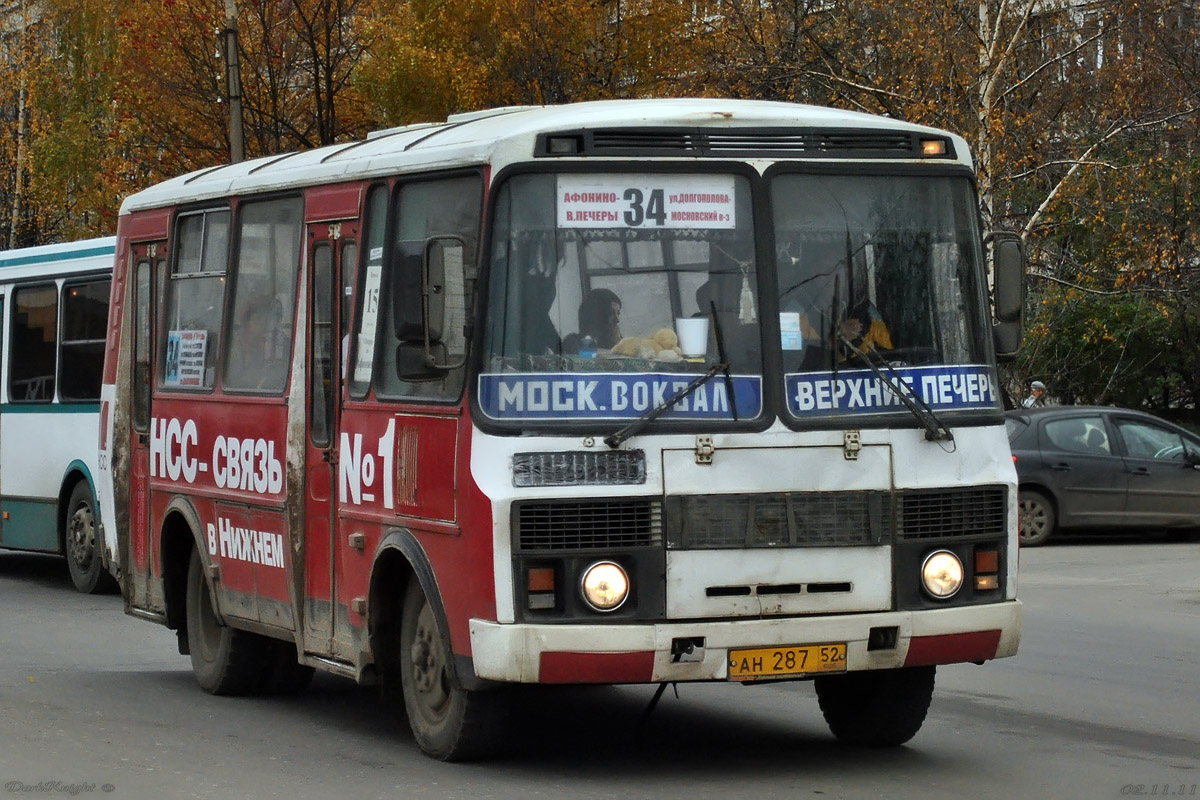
{"x":618,"y":392}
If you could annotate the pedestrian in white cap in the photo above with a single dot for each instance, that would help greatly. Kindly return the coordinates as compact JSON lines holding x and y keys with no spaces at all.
{"x":1037,"y":395}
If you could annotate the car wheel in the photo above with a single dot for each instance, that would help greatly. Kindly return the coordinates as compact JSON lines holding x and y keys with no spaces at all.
{"x":1037,"y":518}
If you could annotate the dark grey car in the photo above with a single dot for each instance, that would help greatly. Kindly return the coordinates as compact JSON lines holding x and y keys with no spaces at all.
{"x":1088,"y":467}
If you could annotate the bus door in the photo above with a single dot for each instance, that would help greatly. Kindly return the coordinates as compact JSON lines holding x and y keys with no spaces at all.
{"x":333,"y":253}
{"x":147,"y":260}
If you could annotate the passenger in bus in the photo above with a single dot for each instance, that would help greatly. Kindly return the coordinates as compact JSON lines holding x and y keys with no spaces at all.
{"x":865,"y":329}
{"x":255,"y":359}
{"x":599,"y":320}
{"x":539,"y":336}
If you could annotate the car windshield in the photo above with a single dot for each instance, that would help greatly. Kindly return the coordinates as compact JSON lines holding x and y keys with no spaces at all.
{"x":609,"y":292}
{"x":885,"y":268}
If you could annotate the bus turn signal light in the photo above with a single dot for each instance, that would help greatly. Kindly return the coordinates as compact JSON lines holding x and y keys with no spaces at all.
{"x":933,"y":147}
{"x":539,"y":581}
{"x":987,"y":570}
{"x":987,"y":561}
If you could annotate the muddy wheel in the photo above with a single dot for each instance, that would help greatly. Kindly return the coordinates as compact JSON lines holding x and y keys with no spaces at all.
{"x":82,"y":546}
{"x":1037,"y":517}
{"x":876,"y":708}
{"x":285,"y":674}
{"x":225,"y":660}
{"x":447,"y":721}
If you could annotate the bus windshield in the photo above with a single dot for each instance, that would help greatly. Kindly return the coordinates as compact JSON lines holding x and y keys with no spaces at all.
{"x":883,"y":269}
{"x":607,"y":293}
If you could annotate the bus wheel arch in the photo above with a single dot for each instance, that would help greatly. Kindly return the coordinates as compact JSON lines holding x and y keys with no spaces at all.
{"x":411,"y":643}
{"x":399,"y":560}
{"x":79,"y":535}
{"x":178,"y":539}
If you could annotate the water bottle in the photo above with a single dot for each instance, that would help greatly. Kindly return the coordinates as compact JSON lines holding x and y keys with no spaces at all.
{"x":587,"y":347}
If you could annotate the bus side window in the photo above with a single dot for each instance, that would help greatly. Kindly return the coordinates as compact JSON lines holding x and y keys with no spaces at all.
{"x":85,"y":315}
{"x":141,"y":350}
{"x":195,"y":301}
{"x":34,"y":344}
{"x":264,"y":296}
{"x":359,"y":350}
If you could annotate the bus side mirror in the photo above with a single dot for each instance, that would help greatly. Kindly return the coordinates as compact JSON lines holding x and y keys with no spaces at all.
{"x":419,"y":303}
{"x":414,"y":363}
{"x":408,"y":318}
{"x":1008,"y":282}
{"x":443,"y":255}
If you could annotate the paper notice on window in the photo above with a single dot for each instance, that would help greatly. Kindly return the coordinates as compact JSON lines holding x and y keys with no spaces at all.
{"x":790,"y":336}
{"x":370,"y":321}
{"x":186,"y":350}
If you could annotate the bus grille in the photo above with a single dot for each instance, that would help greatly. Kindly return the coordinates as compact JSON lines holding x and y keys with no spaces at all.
{"x":579,"y":468}
{"x":792,"y":519}
{"x":832,"y":519}
{"x":587,"y":524}
{"x":952,"y":513}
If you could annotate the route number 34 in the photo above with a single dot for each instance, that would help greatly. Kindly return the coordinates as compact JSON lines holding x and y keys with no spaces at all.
{"x":642,"y":209}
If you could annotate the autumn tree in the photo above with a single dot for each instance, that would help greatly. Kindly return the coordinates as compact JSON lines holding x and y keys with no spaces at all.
{"x":460,"y":55}
{"x":297,"y":58}
{"x":1119,"y":243}
{"x":22,"y":40}
{"x":58,"y":182}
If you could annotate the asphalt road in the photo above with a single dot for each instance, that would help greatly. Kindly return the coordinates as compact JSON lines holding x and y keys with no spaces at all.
{"x":1103,"y":698}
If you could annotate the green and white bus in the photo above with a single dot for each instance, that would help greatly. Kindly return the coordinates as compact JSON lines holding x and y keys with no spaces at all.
{"x":54,"y":312}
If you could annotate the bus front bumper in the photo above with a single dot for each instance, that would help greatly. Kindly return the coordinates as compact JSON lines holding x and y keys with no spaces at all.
{"x":656,"y":652}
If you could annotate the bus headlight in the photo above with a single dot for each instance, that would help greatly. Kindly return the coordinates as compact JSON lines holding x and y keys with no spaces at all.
{"x":604,"y":586}
{"x":941,"y":574}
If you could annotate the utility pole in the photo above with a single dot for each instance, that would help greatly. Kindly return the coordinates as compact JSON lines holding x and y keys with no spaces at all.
{"x":233,"y":84}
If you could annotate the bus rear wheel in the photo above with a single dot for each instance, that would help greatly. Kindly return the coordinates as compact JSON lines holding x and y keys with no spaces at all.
{"x":225,"y":660}
{"x":876,"y":708}
{"x":447,"y":721}
{"x":285,"y":675}
{"x":80,"y":544}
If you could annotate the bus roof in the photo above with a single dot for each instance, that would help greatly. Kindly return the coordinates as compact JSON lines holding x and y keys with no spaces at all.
{"x":87,"y":255}
{"x":501,"y":136}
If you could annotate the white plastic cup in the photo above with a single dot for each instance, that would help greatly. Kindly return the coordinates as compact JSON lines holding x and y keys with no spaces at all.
{"x":693,"y":335}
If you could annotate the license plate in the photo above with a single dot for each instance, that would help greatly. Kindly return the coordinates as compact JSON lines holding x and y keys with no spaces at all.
{"x":786,"y":662}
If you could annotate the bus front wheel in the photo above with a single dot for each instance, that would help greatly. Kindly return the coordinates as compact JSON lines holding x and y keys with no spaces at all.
{"x":876,"y":708}
{"x":447,"y":721}
{"x":81,"y":545}
{"x":225,"y":660}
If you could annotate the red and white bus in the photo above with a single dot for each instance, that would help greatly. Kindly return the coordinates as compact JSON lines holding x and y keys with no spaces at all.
{"x":616,"y":392}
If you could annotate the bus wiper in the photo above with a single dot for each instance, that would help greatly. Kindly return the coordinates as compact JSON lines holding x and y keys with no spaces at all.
{"x":935,"y":429}
{"x":615,"y":440}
